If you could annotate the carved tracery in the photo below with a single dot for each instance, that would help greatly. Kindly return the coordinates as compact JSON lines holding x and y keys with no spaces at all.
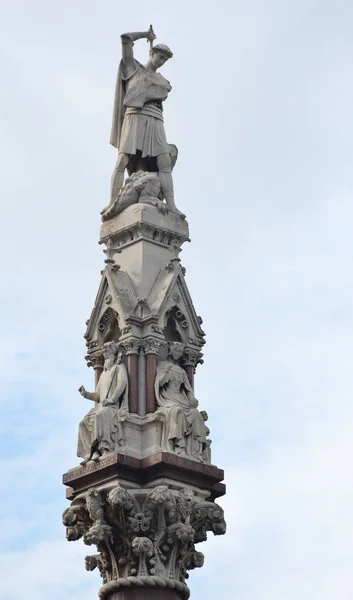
{"x":176,"y":325}
{"x":108,"y":326}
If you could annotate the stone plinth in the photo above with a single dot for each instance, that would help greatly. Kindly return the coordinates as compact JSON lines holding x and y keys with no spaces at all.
{"x":161,"y":227}
{"x":142,"y":240}
{"x":113,"y":468}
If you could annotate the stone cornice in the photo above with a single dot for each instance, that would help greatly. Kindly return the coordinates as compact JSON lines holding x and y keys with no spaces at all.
{"x":143,"y":230}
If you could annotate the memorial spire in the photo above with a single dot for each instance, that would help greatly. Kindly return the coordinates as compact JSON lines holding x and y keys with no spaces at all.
{"x":144,"y":490}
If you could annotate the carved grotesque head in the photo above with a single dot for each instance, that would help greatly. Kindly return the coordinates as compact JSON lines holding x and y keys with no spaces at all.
{"x":176,"y":350}
{"x":160,"y":54}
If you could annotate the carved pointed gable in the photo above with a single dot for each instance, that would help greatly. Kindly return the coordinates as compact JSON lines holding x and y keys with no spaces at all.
{"x":170,"y":298}
{"x":116,"y":300}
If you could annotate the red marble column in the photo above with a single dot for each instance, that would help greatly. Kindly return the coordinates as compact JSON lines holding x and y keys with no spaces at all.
{"x":151,"y":367}
{"x":132,"y":367}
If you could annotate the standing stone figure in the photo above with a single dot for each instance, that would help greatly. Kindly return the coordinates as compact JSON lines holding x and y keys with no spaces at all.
{"x":137,"y":127}
{"x":98,"y":431}
{"x":185,"y":430}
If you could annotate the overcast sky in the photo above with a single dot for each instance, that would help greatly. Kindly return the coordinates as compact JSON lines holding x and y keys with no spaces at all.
{"x":261,"y":111}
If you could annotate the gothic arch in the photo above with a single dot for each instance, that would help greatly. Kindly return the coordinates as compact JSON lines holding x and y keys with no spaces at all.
{"x":176,"y":326}
{"x":108,"y":326}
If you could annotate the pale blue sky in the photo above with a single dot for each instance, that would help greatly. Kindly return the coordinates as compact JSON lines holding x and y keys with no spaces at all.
{"x":261,"y":110}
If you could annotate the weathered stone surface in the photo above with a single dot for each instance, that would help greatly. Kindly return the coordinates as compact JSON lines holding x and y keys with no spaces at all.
{"x":142,"y":220}
{"x":184,"y":429}
{"x":99,"y":431}
{"x":144,"y":536}
{"x":143,"y":187}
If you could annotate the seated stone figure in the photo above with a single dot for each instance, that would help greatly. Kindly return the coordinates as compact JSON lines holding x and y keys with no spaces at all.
{"x":185,"y":430}
{"x":98,"y":431}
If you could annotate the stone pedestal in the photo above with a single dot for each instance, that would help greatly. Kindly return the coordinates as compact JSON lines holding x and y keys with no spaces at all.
{"x":142,"y":240}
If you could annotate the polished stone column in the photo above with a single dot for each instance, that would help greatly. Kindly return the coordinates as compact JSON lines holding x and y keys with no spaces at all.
{"x":151,"y":367}
{"x":142,"y":383}
{"x":151,"y":346}
{"x":132,"y":346}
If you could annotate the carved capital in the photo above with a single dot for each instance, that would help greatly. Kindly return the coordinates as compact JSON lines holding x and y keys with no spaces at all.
{"x":192,"y":357}
{"x":143,"y":539}
{"x":130,"y":346}
{"x":97,"y":361}
{"x":151,"y":345}
{"x":94,"y":356}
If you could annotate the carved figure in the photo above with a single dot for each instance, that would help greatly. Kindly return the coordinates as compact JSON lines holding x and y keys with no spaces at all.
{"x":137,"y":127}
{"x":75,"y":520}
{"x":139,"y":187}
{"x":98,"y":431}
{"x":185,"y":431}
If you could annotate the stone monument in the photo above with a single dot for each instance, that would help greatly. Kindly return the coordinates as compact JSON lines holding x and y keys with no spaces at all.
{"x":145,"y":489}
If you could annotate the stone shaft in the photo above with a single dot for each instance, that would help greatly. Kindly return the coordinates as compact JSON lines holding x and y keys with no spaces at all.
{"x":145,"y":594}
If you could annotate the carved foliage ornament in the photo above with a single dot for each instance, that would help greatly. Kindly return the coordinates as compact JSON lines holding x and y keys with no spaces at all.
{"x":150,"y":541}
{"x":95,"y":360}
{"x":151,"y":345}
{"x":130,"y":345}
{"x":192,"y":357}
